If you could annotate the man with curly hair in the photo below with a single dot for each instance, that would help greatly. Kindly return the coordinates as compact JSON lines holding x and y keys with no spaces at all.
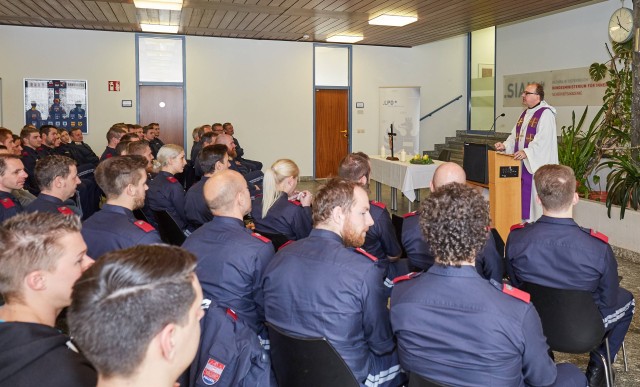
{"x":457,"y":328}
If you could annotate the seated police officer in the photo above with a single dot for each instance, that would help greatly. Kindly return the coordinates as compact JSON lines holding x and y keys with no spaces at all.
{"x":253,"y":178}
{"x":135,"y":315}
{"x":320,"y":286}
{"x":12,"y":177}
{"x":41,"y":255}
{"x":212,"y":158}
{"x":57,"y":177}
{"x":458,"y":329}
{"x":488,"y":261}
{"x":231,"y":259}
{"x":124,"y":182}
{"x":556,"y":252}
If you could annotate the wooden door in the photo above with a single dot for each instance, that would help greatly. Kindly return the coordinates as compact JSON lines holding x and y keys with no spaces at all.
{"x":332,"y":130}
{"x":164,"y":105}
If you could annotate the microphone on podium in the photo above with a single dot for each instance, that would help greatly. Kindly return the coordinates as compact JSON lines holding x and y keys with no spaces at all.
{"x":494,"y":122}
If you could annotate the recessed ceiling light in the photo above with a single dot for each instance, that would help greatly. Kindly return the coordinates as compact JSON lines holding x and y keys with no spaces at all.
{"x":344,"y":39}
{"x":172,"y":5}
{"x":159,"y":28}
{"x":392,"y":20}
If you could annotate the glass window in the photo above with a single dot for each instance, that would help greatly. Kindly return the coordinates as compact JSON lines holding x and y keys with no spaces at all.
{"x":482,"y":79}
{"x":331,"y":66}
{"x":160,"y":60}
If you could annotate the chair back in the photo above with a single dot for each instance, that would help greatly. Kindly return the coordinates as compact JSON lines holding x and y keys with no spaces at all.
{"x":397,"y":221}
{"x":307,"y":361}
{"x":416,"y":380}
{"x":570,"y":319}
{"x":140,"y":215}
{"x":168,"y":229}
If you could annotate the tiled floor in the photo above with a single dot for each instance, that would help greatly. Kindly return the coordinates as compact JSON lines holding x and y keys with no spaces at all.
{"x":631,"y":281}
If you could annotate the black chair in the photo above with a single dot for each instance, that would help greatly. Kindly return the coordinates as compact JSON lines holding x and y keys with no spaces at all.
{"x":416,"y":380}
{"x":307,"y":361}
{"x":570,"y":320}
{"x":169,"y":230}
{"x":139,"y":214}
{"x":277,"y":239}
{"x":397,"y":222}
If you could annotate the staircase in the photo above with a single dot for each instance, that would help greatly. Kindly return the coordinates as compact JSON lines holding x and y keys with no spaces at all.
{"x":456,"y":144}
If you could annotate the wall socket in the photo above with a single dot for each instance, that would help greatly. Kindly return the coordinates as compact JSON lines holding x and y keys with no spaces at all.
{"x":360,"y":130}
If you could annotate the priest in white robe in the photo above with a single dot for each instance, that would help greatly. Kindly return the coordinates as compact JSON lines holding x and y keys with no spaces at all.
{"x":533,"y":140}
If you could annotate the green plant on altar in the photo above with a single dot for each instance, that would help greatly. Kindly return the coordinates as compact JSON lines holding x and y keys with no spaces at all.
{"x":421,"y":160}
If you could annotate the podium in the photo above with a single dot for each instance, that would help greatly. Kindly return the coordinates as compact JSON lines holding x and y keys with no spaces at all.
{"x":504,"y":192}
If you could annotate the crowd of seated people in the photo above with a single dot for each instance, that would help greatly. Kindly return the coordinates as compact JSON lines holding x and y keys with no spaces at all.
{"x":147,"y":313}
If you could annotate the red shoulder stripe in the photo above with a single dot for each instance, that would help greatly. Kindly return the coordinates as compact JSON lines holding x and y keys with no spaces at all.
{"x":517,"y":293}
{"x":599,"y":235}
{"x":371,"y":257}
{"x":7,"y":203}
{"x":232,"y":314}
{"x":65,"y":210}
{"x":172,"y":179}
{"x":378,"y":204}
{"x":261,"y":237}
{"x":410,"y":214}
{"x":144,"y":226}
{"x":517,"y":226}
{"x":405,"y":277}
{"x":296,"y":202}
{"x":287,"y":243}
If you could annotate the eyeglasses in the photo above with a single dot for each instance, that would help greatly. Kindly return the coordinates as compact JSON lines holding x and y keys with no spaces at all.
{"x":529,"y":93}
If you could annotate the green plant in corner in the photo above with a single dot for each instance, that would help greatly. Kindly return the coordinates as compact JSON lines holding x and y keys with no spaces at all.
{"x":623,"y":183}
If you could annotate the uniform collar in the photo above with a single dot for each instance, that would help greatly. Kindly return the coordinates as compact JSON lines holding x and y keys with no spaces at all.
{"x":118,"y":210}
{"x":49,"y":198}
{"x":165,"y":174}
{"x":4,"y":194}
{"x":227,"y":220}
{"x":326,"y":234}
{"x":452,"y":271}
{"x":552,"y":220}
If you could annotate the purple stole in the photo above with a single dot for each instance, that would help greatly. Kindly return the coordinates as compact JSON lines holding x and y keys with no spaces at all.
{"x":525,"y":176}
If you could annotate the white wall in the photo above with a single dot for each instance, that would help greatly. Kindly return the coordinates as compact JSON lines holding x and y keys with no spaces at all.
{"x":97,"y":57}
{"x":565,"y":40}
{"x":438,"y":68}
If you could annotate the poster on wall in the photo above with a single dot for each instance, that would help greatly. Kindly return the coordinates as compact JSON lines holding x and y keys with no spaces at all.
{"x":400,"y":107}
{"x":58,"y":102}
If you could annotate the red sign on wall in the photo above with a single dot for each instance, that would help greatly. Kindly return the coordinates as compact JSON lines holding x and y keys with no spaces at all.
{"x":114,"y":85}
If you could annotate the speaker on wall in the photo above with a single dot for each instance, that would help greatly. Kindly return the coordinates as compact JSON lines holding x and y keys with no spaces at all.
{"x":475,"y":162}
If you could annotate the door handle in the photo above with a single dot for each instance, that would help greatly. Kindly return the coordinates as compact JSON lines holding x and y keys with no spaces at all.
{"x":343,"y":131}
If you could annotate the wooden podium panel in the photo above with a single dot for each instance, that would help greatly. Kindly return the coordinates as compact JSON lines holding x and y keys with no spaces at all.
{"x":504,"y":192}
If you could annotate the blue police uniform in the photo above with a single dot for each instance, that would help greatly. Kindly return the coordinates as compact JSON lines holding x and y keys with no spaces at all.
{"x":52,"y":204}
{"x":45,"y":151}
{"x":558,"y":253}
{"x":488,"y":262}
{"x":315,"y":287}
{"x":231,"y":261}
{"x":83,"y":154}
{"x":65,"y":150}
{"x":77,"y":113}
{"x":56,"y":111}
{"x":114,"y":228}
{"x":381,"y":238}
{"x":230,"y":353}
{"x":155,"y":146}
{"x":33,"y":117}
{"x":456,"y":328}
{"x":108,"y":153}
{"x":196,"y":209}
{"x":9,"y":206}
{"x":165,"y":193}
{"x":286,"y":217}
{"x":254,"y":178}
{"x":29,"y":158}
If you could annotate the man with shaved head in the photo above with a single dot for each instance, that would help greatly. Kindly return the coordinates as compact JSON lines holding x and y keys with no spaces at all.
{"x":231,"y":259}
{"x":488,"y":262}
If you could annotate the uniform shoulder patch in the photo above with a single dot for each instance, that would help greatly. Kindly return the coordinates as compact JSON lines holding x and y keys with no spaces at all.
{"x":599,"y":235}
{"x":231,"y":313}
{"x":261,"y":237}
{"x":517,"y":226}
{"x":517,"y":293}
{"x":172,"y":179}
{"x":144,"y":226}
{"x":410,"y":214}
{"x":25,"y":154}
{"x":108,"y":156}
{"x":212,"y":372}
{"x":296,"y":202}
{"x":378,"y":204}
{"x":7,"y":203}
{"x":287,"y":243}
{"x":406,"y":277}
{"x":65,"y":210}
{"x":371,"y":257}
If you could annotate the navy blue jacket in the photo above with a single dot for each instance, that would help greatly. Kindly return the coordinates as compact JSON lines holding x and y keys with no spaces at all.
{"x":48,"y":203}
{"x":29,"y":158}
{"x":456,"y":328}
{"x":316,"y":287}
{"x":108,"y":153}
{"x":196,"y":209}
{"x":231,"y":262}
{"x":114,"y":228}
{"x":83,"y":154}
{"x":286,"y":217}
{"x":165,"y":193}
{"x":230,"y":354}
{"x":488,"y":262}
{"x":381,"y":238}
{"x":9,"y":206}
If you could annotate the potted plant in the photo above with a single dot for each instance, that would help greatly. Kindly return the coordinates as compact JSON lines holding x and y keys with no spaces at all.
{"x":623,"y":183}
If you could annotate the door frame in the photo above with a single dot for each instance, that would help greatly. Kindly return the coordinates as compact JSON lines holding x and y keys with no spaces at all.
{"x":349,"y":96}
{"x":183,"y":83}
